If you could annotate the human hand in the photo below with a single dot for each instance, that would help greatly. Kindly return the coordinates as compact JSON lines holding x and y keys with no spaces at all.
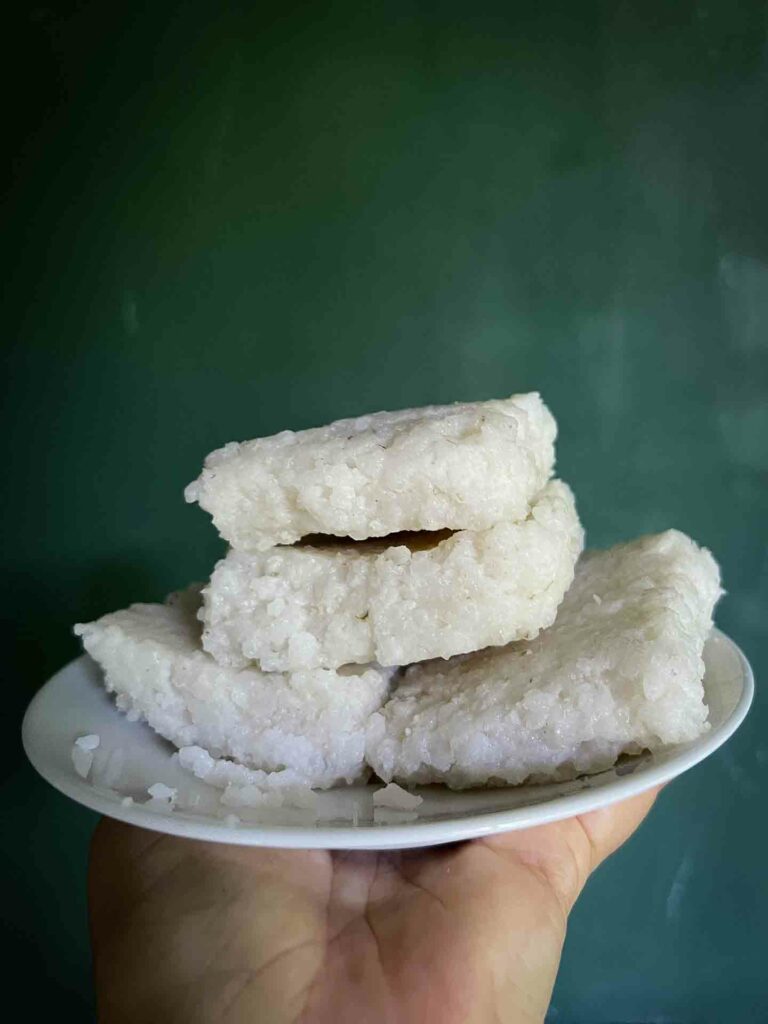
{"x":194,"y":932}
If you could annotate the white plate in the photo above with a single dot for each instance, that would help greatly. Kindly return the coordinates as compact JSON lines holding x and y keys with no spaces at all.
{"x":74,"y":703}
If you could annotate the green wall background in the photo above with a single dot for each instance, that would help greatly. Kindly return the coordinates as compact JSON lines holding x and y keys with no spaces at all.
{"x":226,"y":219}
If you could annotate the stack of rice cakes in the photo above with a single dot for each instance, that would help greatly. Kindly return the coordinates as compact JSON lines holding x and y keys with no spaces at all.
{"x":399,"y":594}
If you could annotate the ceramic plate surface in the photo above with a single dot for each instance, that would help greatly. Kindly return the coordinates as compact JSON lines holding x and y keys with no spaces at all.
{"x":131,"y":757}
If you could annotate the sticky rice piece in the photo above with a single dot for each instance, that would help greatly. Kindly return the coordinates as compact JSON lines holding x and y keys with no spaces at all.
{"x":620,"y":674}
{"x":161,"y":797}
{"x":458,"y":467}
{"x":396,"y":798}
{"x":311,"y":722}
{"x":309,"y":606}
{"x":83,"y":752}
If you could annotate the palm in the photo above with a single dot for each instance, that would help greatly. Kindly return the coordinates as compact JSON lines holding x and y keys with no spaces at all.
{"x":421,"y":936}
{"x":191,"y":931}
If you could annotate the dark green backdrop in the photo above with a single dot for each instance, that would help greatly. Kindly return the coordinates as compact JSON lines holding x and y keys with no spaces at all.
{"x":226,"y":219}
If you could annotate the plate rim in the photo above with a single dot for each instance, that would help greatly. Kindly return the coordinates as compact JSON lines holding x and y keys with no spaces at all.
{"x":412,"y":834}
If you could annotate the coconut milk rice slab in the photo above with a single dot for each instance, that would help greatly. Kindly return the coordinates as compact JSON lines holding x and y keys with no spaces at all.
{"x":312,"y":723}
{"x":456,"y":467}
{"x":619,"y":671}
{"x":394,"y":600}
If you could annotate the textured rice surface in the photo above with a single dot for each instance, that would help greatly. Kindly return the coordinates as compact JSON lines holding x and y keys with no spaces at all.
{"x":459,"y":467}
{"x":620,"y":670}
{"x":310,"y":722}
{"x":302,"y":607}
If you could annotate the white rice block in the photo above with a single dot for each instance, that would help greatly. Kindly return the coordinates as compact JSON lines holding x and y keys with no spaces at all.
{"x":619,"y":671}
{"x":458,"y":467}
{"x":294,"y":608}
{"x":311,"y":722}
